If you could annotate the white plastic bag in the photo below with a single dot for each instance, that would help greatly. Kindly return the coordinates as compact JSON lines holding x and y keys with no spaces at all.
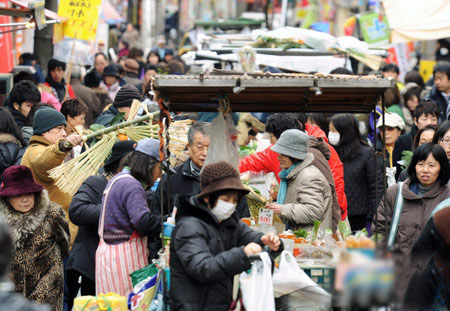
{"x":390,"y":174}
{"x":297,"y":290}
{"x":257,"y":287}
{"x":222,"y":141}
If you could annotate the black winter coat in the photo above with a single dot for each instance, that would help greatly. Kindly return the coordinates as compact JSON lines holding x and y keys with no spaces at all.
{"x":205,"y":255}
{"x":11,"y":152}
{"x":396,"y":156}
{"x":406,"y":141}
{"x":436,"y":97}
{"x":184,"y":182}
{"x":359,"y":178}
{"x":18,"y":117}
{"x":84,"y":211}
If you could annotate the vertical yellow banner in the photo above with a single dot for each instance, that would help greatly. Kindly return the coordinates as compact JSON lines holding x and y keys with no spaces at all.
{"x":82,"y":18}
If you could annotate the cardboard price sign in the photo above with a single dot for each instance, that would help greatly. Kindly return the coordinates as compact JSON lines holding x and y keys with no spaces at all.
{"x":265,"y":216}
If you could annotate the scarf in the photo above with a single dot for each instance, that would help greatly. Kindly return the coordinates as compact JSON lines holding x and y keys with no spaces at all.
{"x":283,"y":183}
{"x":195,"y":170}
{"x":59,"y":87}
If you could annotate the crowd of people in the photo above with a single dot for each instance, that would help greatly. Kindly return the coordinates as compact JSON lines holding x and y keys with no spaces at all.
{"x":326,"y":167}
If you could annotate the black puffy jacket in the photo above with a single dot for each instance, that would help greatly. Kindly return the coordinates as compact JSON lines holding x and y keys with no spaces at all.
{"x":84,"y":211}
{"x":11,"y":152}
{"x":205,"y":255}
{"x":359,"y":178}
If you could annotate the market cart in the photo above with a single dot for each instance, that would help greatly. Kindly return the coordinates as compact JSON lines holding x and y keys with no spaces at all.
{"x":272,"y":93}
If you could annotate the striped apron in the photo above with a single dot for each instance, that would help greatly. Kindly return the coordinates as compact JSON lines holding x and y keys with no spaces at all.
{"x":115,"y":262}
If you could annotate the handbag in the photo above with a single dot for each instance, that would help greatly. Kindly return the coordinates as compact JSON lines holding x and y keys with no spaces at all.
{"x":115,"y":262}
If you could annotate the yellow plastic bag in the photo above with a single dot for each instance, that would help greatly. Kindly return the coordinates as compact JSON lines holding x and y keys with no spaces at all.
{"x":108,"y":302}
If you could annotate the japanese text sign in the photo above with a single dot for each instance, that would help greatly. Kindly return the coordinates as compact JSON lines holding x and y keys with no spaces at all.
{"x":82,"y":18}
{"x":265,"y":216}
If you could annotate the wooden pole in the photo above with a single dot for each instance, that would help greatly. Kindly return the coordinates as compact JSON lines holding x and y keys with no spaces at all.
{"x":69,"y":72}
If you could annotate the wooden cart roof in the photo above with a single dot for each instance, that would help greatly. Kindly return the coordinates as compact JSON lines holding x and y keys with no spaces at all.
{"x":272,"y":93}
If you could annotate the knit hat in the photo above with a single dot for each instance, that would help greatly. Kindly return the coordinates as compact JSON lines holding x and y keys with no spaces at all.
{"x":292,"y":143}
{"x":119,"y":150}
{"x":47,"y":118}
{"x":111,"y":70}
{"x":149,"y":146}
{"x":125,"y":96}
{"x":18,"y":180}
{"x":219,"y":176}
{"x":391,"y":120}
{"x":131,"y":65}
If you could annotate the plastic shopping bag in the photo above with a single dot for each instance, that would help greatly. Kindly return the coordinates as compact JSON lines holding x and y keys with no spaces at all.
{"x":110,"y":301}
{"x":142,"y":274}
{"x":223,"y":141}
{"x":297,"y":290}
{"x":143,"y":293}
{"x":257,"y":286}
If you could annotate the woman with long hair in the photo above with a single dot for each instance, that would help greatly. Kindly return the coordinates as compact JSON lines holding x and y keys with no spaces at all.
{"x":359,"y":170}
{"x":12,"y":144}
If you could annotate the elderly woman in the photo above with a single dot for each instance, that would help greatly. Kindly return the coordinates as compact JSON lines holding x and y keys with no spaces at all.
{"x":304,"y":195}
{"x":425,"y":188}
{"x":126,"y":221}
{"x":40,"y":236}
{"x":209,"y":243}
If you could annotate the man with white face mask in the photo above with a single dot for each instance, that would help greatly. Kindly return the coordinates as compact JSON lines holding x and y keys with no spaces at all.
{"x":210,"y":244}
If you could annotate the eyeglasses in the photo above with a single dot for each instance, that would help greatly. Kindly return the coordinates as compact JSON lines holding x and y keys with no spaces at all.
{"x":445,"y":141}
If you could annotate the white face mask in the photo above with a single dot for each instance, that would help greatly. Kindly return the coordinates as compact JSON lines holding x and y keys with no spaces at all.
{"x":334,"y":138}
{"x":223,"y":210}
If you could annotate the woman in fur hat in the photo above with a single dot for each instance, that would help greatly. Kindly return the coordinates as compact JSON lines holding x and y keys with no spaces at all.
{"x":40,"y":236}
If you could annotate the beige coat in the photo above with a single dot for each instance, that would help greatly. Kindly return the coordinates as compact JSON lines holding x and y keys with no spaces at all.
{"x":415,"y":214}
{"x":41,"y":156}
{"x":308,"y":197}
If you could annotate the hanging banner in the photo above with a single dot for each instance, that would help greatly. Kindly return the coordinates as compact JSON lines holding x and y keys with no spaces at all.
{"x":399,"y":55}
{"x":82,"y":18}
{"x":6,"y":61}
{"x":374,"y":29}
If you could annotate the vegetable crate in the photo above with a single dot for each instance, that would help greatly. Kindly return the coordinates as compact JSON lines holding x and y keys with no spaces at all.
{"x":323,"y":276}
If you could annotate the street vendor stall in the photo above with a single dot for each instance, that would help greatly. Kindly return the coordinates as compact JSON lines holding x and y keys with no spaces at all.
{"x":296,"y":93}
{"x":272,"y":92}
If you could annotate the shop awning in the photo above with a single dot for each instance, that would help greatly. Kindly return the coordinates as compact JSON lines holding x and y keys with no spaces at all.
{"x":272,"y":93}
{"x":416,"y":20}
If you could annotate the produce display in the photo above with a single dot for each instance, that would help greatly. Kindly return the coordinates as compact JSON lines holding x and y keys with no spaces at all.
{"x":284,"y":44}
{"x":256,"y":201}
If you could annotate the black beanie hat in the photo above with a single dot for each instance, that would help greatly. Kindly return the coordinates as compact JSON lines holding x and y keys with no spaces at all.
{"x":125,"y":96}
{"x":47,"y":118}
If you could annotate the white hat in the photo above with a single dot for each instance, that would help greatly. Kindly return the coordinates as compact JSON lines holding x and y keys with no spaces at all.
{"x":391,"y":120}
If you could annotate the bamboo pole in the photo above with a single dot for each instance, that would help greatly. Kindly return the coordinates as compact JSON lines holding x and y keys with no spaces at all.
{"x":119,"y":126}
